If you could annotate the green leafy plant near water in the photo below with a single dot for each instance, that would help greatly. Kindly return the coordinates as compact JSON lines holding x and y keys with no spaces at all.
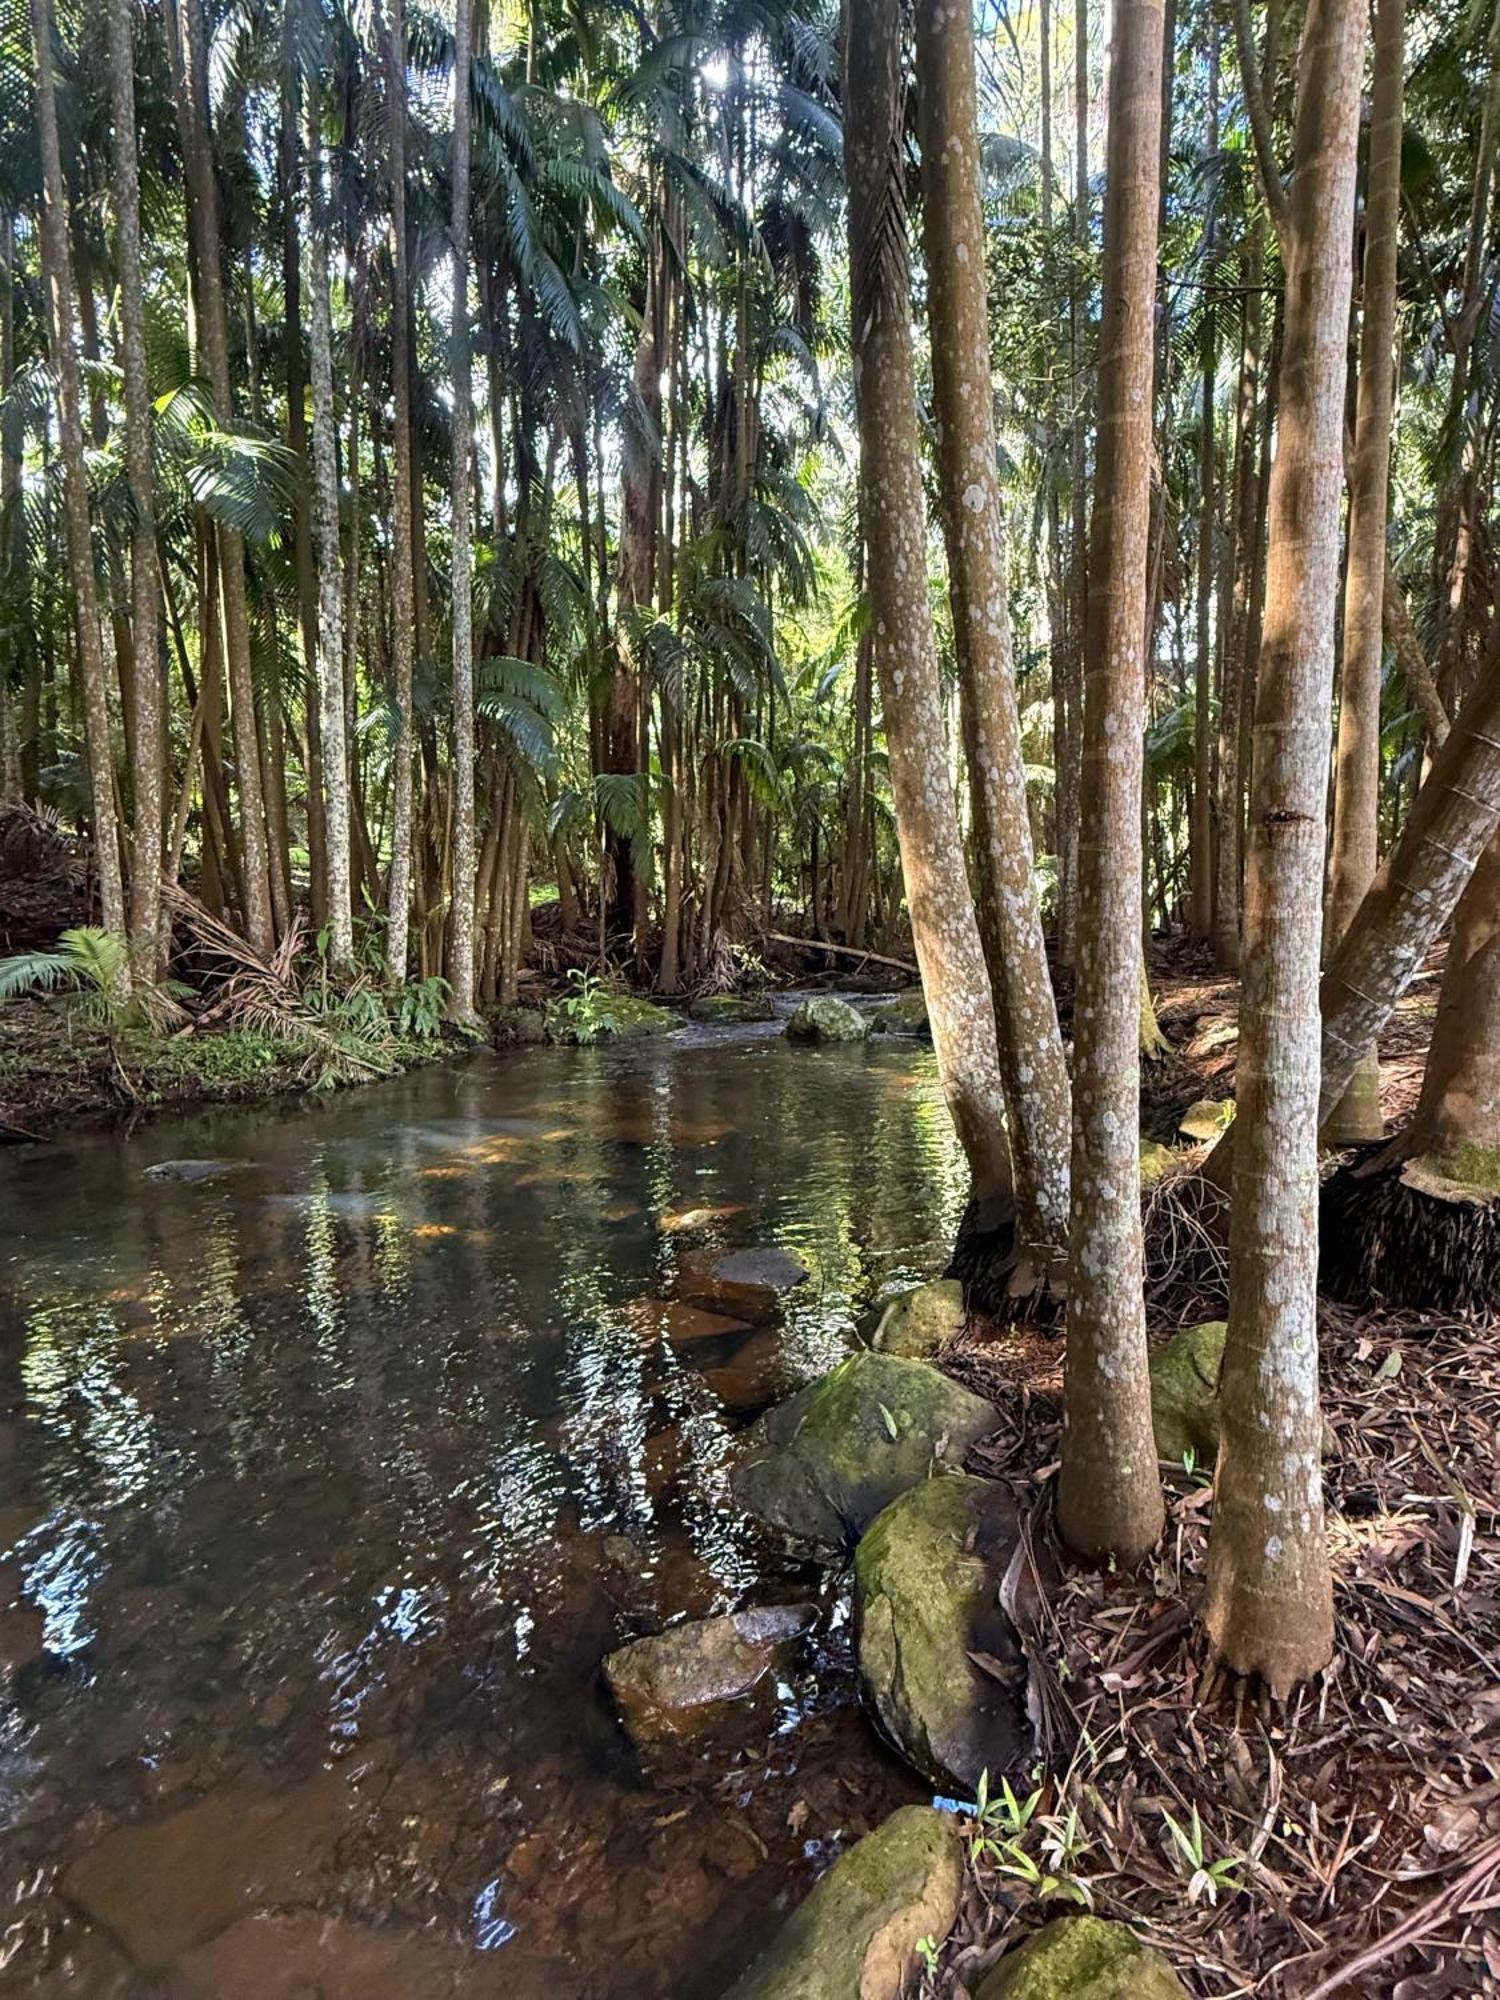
{"x":584,"y":1010}
{"x":1041,"y":1852}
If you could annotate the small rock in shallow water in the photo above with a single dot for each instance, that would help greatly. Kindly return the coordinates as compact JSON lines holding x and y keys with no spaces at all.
{"x":927,"y":1578}
{"x":824,"y":1463}
{"x":855,"y":1936}
{"x":827,"y":1020}
{"x":775,"y":1269}
{"x":192,"y":1170}
{"x":1082,"y":1958}
{"x":664,"y":1684}
{"x":906,"y":1015}
{"x":725,"y":1008}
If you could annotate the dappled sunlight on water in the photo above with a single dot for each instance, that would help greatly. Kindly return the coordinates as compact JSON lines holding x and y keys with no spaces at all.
{"x":325,"y":1483}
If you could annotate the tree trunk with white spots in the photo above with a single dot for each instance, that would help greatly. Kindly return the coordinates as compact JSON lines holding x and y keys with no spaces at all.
{"x":461,"y":922}
{"x":403,"y":595}
{"x":1355,"y":853}
{"x":1109,"y":1500}
{"x":329,"y":657}
{"x":57,"y":278}
{"x":944,"y":930}
{"x":1033,"y":1072}
{"x":145,"y":577}
{"x":1270,"y":1603}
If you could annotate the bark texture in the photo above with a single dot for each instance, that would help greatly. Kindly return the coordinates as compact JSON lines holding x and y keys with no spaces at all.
{"x":1458,"y":1115}
{"x":145,"y":577}
{"x":1032,"y":1068}
{"x":1356,"y":799}
{"x":461,"y":923}
{"x":1270,"y":1601}
{"x":57,"y":278}
{"x":403,"y":552}
{"x":1109,"y":1496}
{"x":329,"y":657}
{"x":944,"y":930}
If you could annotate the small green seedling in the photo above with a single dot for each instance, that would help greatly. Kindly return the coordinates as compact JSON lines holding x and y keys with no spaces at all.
{"x":1205,"y":1878}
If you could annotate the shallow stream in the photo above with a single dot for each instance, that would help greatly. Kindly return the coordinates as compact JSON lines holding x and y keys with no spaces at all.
{"x":329,"y":1473}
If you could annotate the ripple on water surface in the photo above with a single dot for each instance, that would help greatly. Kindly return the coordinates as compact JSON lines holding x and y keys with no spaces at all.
{"x":334,"y":1456}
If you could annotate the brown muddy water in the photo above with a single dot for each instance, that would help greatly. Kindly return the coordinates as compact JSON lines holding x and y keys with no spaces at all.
{"x":327,"y":1479}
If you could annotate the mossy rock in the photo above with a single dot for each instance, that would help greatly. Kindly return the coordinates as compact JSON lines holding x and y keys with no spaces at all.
{"x":1156,"y":1161}
{"x":617,"y":1017}
{"x":1082,"y":1958}
{"x":927,"y":1578}
{"x":1185,"y":1393}
{"x":822,"y":1465}
{"x":1469,"y":1174}
{"x":825,"y":1019}
{"x":1207,"y":1119}
{"x":906,"y":1015}
{"x":855,"y":1936}
{"x":917,"y":1323}
{"x":724,"y":1009}
{"x":518,"y":1026}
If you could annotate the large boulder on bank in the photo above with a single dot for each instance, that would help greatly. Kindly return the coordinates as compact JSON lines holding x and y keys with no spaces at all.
{"x":927,"y":1577}
{"x":917,"y":1323}
{"x":855,"y":1936}
{"x":614,"y":1017}
{"x":1185,"y":1393}
{"x":823,"y":1464}
{"x":724,"y":1009}
{"x":1207,"y":1120}
{"x":825,"y":1019}
{"x":906,"y":1015}
{"x":1082,"y":1958}
{"x":669,"y":1685}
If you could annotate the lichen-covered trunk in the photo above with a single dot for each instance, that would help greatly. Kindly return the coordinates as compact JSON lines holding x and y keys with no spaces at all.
{"x":145,"y":578}
{"x":1270,"y":1602}
{"x":1355,"y":852}
{"x":1201,"y":845}
{"x":403,"y":593}
{"x":1109,"y":1496}
{"x":57,"y":278}
{"x":1032,"y":1069}
{"x":329,"y":654}
{"x":1458,"y":1115}
{"x":461,"y":920}
{"x":944,"y":930}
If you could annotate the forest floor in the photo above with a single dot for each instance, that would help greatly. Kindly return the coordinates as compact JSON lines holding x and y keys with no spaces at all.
{"x":1347,"y":1842}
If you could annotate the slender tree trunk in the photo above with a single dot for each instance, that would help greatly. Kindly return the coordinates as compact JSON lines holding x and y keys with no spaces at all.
{"x":1355,"y":852}
{"x":57,"y":277}
{"x":944,"y":931}
{"x":1457,"y":1120}
{"x":403,"y":596}
{"x":145,"y":580}
{"x":14,"y":661}
{"x":329,"y":657}
{"x":1202,"y":851}
{"x":203,"y":208}
{"x":1270,"y":1600}
{"x":1067,"y":781}
{"x":1032,"y":1069}
{"x":461,"y":932}
{"x":1109,"y":1496}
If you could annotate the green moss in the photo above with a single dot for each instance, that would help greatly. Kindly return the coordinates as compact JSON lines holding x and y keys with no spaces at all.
{"x":855,"y":1936}
{"x":906,"y":1015}
{"x":1185,"y":1393}
{"x":724,"y":1008}
{"x":825,"y":1019}
{"x":918,"y":1322}
{"x":1082,"y":1958}
{"x":1473,"y":1166}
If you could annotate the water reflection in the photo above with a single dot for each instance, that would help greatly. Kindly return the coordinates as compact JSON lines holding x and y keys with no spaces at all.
{"x":332,"y":1477}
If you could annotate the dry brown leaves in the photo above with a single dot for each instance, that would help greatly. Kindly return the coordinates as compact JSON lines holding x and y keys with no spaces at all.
{"x":1359,"y":1825}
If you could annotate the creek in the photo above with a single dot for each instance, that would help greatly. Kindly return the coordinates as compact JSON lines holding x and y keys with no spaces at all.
{"x":335,"y":1456}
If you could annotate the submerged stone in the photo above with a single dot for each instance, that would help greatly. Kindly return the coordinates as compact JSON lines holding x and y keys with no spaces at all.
{"x":193,"y":1170}
{"x":823,"y":1464}
{"x":855,"y":1935}
{"x":1082,"y":1958}
{"x":906,"y":1015}
{"x":1185,"y":1393}
{"x":296,"y":1954}
{"x":927,"y":1576}
{"x":918,"y":1322}
{"x":776,"y":1270}
{"x":824,"y":1019}
{"x":726,"y":1008}
{"x":663,"y":1685}
{"x":518,"y":1026}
